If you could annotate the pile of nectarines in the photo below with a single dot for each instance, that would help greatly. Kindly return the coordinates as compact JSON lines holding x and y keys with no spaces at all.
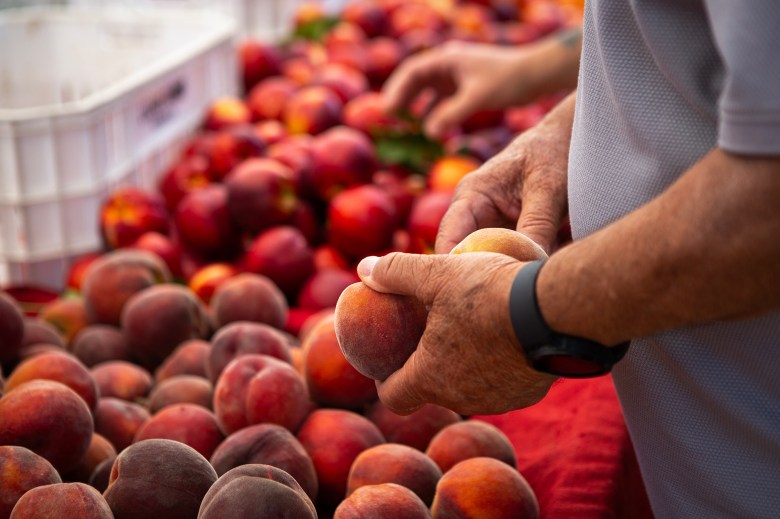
{"x":202,"y":354}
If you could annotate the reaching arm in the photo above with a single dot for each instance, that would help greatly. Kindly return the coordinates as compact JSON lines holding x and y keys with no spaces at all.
{"x":706,"y":249}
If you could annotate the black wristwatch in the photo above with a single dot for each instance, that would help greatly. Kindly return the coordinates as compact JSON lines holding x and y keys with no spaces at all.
{"x":548,"y":351}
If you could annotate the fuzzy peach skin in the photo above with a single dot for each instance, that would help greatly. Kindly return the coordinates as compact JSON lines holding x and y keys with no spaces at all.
{"x":470,"y":439}
{"x":62,"y":501}
{"x":505,"y":241}
{"x":381,"y":502}
{"x":21,"y":470}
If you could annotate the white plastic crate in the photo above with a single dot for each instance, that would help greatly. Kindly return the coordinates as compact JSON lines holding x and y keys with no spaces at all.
{"x":92,"y":98}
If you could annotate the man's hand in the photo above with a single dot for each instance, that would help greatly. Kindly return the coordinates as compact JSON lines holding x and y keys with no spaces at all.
{"x":468,"y":359}
{"x":523,"y":187}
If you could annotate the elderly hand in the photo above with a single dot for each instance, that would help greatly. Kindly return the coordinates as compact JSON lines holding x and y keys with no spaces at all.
{"x":468,"y":358}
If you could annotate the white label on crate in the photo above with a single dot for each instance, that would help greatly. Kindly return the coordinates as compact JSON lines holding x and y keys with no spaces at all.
{"x":162,"y":105}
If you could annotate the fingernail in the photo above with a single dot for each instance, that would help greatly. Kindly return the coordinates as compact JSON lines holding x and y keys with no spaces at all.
{"x":366,"y":265}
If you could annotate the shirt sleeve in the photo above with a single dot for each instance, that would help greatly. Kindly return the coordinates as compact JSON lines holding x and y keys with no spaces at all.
{"x":747,"y":35}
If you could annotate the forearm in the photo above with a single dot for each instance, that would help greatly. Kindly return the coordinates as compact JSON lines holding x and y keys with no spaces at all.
{"x":706,"y":249}
{"x":549,"y":65}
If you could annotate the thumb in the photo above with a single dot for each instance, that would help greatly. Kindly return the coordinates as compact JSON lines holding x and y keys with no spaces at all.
{"x":449,"y":113}
{"x":399,"y":391}
{"x":400,"y":273}
{"x":540,"y":217}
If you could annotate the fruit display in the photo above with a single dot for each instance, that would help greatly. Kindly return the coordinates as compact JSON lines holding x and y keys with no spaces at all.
{"x":222,"y":343}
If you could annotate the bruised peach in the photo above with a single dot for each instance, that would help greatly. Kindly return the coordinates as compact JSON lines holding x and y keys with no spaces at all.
{"x":334,"y":438}
{"x":505,"y":241}
{"x":395,"y":463}
{"x":158,"y":478}
{"x":50,"y":419}
{"x":415,"y":429}
{"x":122,"y":379}
{"x":158,"y":319}
{"x":258,"y":389}
{"x":484,"y":487}
{"x":60,"y":368}
{"x":98,"y":343}
{"x":241,"y":338}
{"x":189,"y":424}
{"x":181,"y":389}
{"x":331,"y":380}
{"x":118,"y":420}
{"x":267,"y":444}
{"x":62,"y":501}
{"x":378,"y":332}
{"x":266,"y":493}
{"x":21,"y":470}
{"x":189,"y":358}
{"x":470,"y":439}
{"x":382,"y":501}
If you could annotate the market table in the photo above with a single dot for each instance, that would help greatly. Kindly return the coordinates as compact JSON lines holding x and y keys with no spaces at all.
{"x":573,"y":448}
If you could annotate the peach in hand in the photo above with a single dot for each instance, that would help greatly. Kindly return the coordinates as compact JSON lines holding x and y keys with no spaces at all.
{"x":505,"y":241}
{"x":378,"y":332}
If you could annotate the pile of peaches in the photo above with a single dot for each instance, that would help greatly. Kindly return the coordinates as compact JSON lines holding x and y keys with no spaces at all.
{"x":192,"y":369}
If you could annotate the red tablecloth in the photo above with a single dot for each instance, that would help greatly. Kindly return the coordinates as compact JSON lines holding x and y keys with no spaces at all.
{"x":574,"y":450}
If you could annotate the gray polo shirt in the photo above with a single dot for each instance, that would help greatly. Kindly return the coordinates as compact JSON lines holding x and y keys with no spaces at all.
{"x":662,"y":83}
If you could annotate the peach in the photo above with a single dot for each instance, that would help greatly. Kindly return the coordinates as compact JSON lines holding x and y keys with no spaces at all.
{"x":327,"y":257}
{"x":343,"y":157}
{"x":21,"y":470}
{"x":283,"y":255}
{"x":323,"y":288}
{"x":295,"y":319}
{"x":267,"y":444}
{"x":206,"y":279}
{"x":349,"y":54}
{"x":312,"y":109}
{"x":159,"y":318}
{"x":11,"y":329}
{"x":300,"y":70}
{"x":425,"y":218}
{"x":447,"y":171}
{"x":470,"y":439}
{"x":181,"y":389}
{"x":100,"y":449}
{"x":344,"y":32}
{"x":32,"y":350}
{"x":267,"y":98}
{"x":366,"y":113}
{"x":479,"y":486}
{"x":258,"y":61}
{"x":50,"y":419}
{"x":163,"y":246}
{"x":378,"y":332}
{"x":416,"y":429}
{"x":203,"y":221}
{"x":249,"y":297}
{"x":403,"y":189}
{"x":362,"y":221}
{"x":308,"y":12}
{"x":189,"y":424}
{"x":186,"y":175}
{"x":67,"y":314}
{"x":395,"y":463}
{"x":382,"y":501}
{"x":270,"y":131}
{"x":118,"y":420}
{"x":60,"y":368}
{"x":122,"y":379}
{"x":189,"y":358}
{"x":260,"y":389}
{"x":266,"y":493}
{"x":99,"y":477}
{"x":505,"y":241}
{"x":418,"y":40}
{"x":129,"y":212}
{"x":99,"y":343}
{"x":334,"y":438}
{"x":368,"y":15}
{"x":345,"y":81}
{"x":331,"y":379}
{"x":384,"y":56}
{"x":415,"y":15}
{"x":295,"y":152}
{"x":114,"y":277}
{"x":226,"y":111}
{"x":242,"y":338}
{"x":261,"y":194}
{"x":37,"y":331}
{"x":62,"y":501}
{"x":225,"y":149}
{"x":311,"y":322}
{"x":74,"y":277}
{"x":158,"y":478}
